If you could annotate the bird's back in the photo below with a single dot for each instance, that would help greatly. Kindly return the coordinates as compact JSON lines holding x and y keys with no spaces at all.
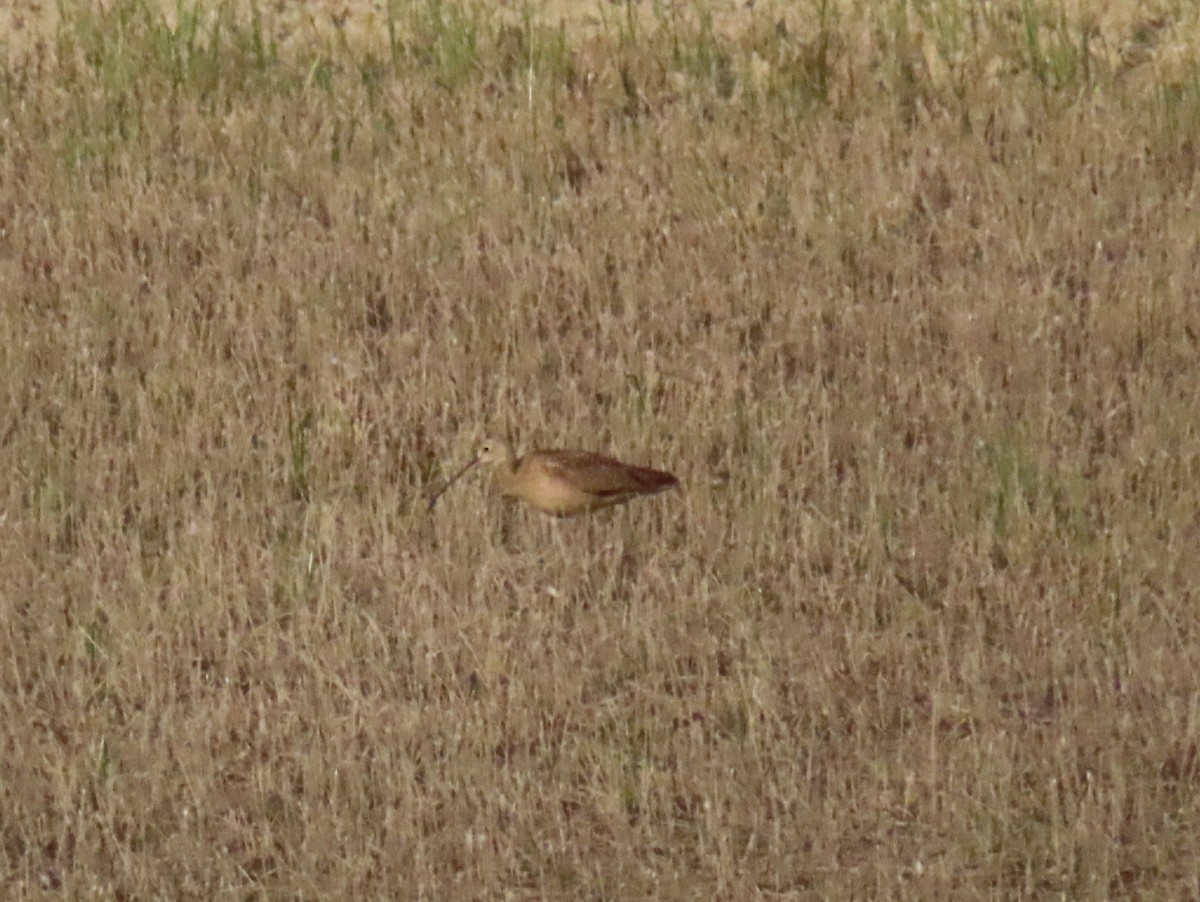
{"x":567,"y":482}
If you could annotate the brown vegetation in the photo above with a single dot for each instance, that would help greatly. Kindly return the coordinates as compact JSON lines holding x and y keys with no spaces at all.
{"x":911,"y":306}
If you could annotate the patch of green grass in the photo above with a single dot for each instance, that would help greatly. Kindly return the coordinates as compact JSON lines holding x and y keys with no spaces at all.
{"x":1177,"y":109}
{"x":119,"y":64}
{"x":299,"y":461}
{"x":803,"y":65}
{"x":96,"y":637}
{"x":438,"y":40}
{"x":128,"y":48}
{"x":1020,"y":487}
{"x":1057,"y":50}
{"x":1015,"y":483}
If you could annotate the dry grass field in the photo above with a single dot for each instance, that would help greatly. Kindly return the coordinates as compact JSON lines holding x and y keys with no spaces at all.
{"x":907,"y":295}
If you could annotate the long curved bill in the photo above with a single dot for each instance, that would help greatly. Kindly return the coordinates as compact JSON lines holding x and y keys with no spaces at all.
{"x":433,"y":499}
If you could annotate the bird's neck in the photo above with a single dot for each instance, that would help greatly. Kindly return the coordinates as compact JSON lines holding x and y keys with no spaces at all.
{"x":506,"y":472}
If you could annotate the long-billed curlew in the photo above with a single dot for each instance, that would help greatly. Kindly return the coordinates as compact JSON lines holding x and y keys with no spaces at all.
{"x":564,"y":483}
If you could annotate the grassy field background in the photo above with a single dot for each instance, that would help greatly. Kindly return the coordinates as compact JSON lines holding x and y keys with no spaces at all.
{"x":908,"y":295}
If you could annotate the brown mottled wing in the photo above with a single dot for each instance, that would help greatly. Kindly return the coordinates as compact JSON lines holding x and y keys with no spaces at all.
{"x":604,"y":477}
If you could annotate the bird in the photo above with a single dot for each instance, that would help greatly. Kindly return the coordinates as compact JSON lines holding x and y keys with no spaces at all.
{"x":563,"y":483}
